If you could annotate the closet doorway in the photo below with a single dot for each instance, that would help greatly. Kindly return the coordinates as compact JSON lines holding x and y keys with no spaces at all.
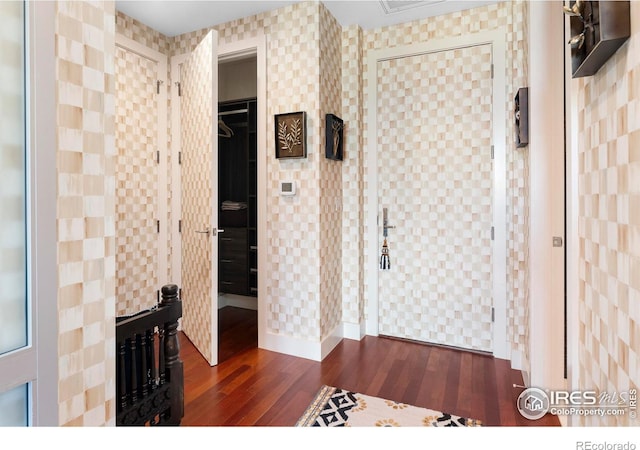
{"x":237,"y":206}
{"x":241,"y":195}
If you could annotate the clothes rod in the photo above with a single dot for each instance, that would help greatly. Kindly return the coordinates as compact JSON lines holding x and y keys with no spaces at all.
{"x":235,"y":111}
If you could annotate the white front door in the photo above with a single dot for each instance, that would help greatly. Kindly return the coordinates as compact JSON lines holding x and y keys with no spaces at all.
{"x":199,"y":182}
{"x":436,"y":166}
{"x":435,"y":178}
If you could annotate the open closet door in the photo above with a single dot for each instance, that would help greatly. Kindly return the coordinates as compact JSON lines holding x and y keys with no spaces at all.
{"x":199,"y":179}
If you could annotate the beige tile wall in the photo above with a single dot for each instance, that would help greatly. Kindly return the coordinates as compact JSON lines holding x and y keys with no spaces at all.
{"x":150,"y":38}
{"x":609,"y":224}
{"x":352,"y":177}
{"x":139,"y":32}
{"x":137,"y":178}
{"x":517,"y":68}
{"x":85,"y":55}
{"x":294,"y":231}
{"x":330,"y":176}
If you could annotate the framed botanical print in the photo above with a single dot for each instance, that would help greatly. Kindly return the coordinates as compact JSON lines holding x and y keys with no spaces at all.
{"x":290,"y":129}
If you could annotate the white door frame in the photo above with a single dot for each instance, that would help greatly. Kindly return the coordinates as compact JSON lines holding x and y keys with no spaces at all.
{"x":176,"y":182}
{"x":547,"y":206}
{"x":497,"y":40}
{"x":161,"y":61}
{"x":228,"y":52}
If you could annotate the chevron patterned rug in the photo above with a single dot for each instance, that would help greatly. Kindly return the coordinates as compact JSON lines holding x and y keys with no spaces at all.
{"x":335,"y":407}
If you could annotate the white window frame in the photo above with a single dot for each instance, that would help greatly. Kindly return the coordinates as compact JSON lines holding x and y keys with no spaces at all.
{"x":36,"y":364}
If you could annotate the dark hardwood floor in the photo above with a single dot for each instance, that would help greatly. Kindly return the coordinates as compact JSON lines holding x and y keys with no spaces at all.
{"x":254,"y":387}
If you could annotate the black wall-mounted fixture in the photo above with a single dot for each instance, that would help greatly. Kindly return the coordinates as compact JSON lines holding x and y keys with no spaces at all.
{"x":598,"y":29}
{"x":522,"y":117}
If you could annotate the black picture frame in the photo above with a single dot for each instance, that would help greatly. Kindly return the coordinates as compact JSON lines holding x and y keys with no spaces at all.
{"x":291,"y":135}
{"x":521,"y":102}
{"x":334,"y":148}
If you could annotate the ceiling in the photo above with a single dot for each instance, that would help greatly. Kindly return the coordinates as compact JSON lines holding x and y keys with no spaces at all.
{"x":175,"y":17}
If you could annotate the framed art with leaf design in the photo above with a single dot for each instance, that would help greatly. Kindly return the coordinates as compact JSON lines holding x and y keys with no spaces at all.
{"x":334,"y":134}
{"x":291,"y":135}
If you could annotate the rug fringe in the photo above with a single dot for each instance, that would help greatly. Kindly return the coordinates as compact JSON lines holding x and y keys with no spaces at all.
{"x":315,"y":408}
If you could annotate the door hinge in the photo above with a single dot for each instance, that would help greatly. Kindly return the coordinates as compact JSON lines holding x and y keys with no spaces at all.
{"x":180,"y":226}
{"x":158,"y":225}
{"x":179,"y":158}
{"x":179,"y":88}
{"x":493,"y":314}
{"x":158,"y":84}
{"x":492,"y":151}
{"x":158,"y":156}
{"x":492,"y":71}
{"x":493,"y":233}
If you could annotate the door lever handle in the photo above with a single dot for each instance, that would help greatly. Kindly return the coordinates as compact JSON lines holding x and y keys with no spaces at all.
{"x":206,"y":231}
{"x":213,"y":231}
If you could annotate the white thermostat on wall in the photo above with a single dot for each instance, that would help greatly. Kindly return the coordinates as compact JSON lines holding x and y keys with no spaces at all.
{"x":287,"y":188}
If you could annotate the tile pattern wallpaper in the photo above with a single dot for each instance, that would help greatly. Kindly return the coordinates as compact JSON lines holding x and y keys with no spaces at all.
{"x":141,"y":33}
{"x":12,"y":172}
{"x":294,"y":232}
{"x":609,"y":224}
{"x":352,"y":177}
{"x":85,"y":84}
{"x":150,"y":38}
{"x":330,"y":177}
{"x":506,"y":16}
{"x":137,"y":177}
{"x":435,"y":176}
{"x":197,"y":144}
{"x":517,"y":160}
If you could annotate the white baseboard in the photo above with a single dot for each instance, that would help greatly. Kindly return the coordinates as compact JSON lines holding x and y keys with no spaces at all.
{"x":517,"y":364}
{"x":288,"y":345}
{"x":330,"y":342}
{"x":516,"y":360}
{"x":354,"y":331}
